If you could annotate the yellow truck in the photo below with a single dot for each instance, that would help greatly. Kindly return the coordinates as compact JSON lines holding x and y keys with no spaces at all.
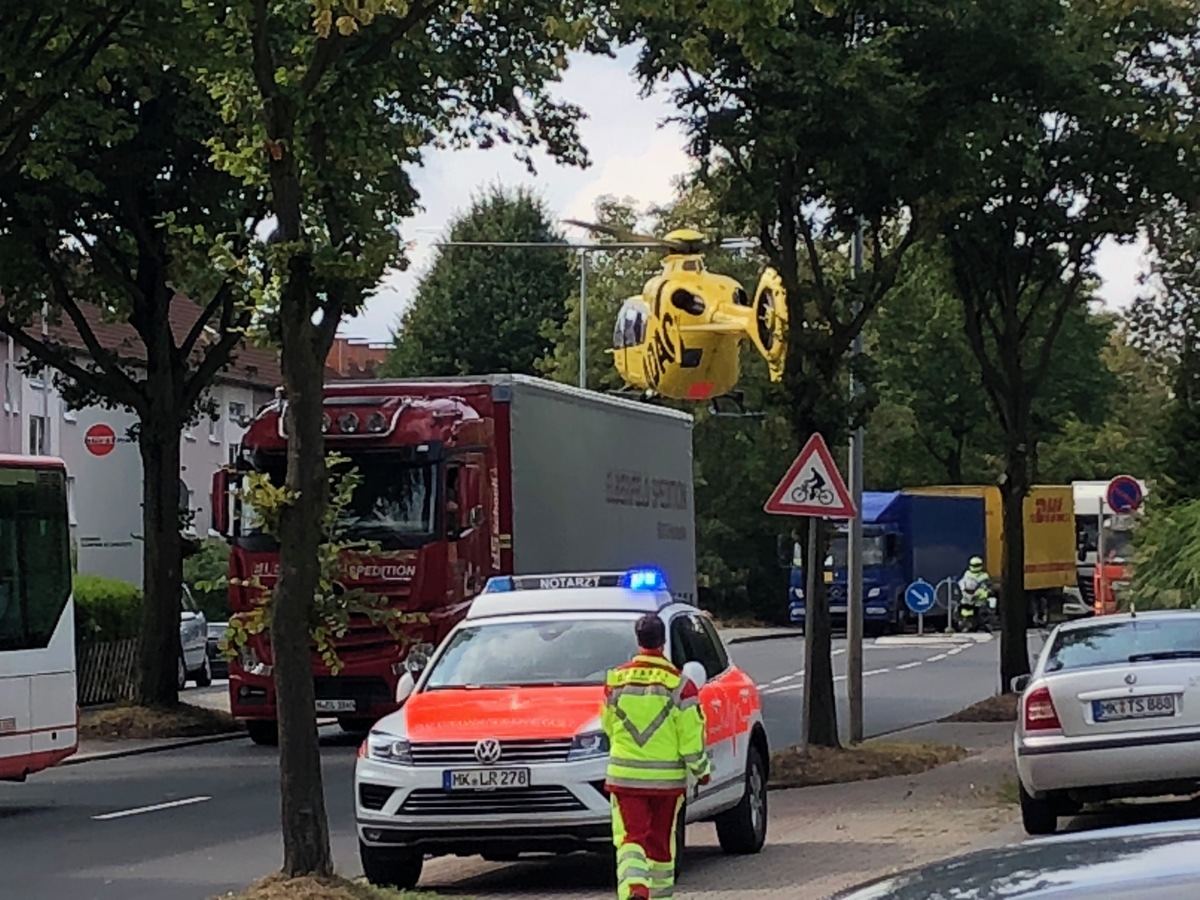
{"x":1050,"y":540}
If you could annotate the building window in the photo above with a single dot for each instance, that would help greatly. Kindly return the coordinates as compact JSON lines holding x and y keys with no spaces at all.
{"x":71,"y":520}
{"x":37,"y":436}
{"x":237,"y":412}
{"x":214,"y":430}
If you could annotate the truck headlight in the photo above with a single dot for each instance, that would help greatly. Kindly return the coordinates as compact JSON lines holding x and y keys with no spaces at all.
{"x":589,"y":745}
{"x":389,"y":749}
{"x":874,"y":592}
{"x":252,"y":665}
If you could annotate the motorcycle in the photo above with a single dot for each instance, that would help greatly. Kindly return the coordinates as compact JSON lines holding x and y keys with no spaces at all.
{"x":975,"y":612}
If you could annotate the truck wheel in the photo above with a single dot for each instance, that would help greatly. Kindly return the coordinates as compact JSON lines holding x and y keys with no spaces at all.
{"x":356,"y":727}
{"x":900,"y":623}
{"x":1038,"y":816}
{"x":391,"y":866}
{"x":264,"y":732}
{"x":743,"y":829}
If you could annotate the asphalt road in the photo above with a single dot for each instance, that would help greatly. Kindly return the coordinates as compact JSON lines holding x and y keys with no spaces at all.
{"x":197,"y":822}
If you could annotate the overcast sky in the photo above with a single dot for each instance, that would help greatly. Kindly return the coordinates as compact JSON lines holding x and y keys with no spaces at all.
{"x":633,"y":154}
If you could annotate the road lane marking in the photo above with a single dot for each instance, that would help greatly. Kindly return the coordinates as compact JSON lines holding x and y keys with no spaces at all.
{"x":875,"y":672}
{"x":940,"y":656}
{"x":912,"y":665}
{"x":145,"y":809}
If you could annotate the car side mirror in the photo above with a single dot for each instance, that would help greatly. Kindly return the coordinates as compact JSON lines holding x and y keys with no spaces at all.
{"x":417,"y":659}
{"x":1020,"y":683}
{"x":405,"y":687}
{"x":694,"y":672}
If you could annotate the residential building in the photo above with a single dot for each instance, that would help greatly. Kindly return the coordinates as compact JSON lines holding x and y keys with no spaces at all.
{"x":354,"y":359}
{"x":103,"y":463}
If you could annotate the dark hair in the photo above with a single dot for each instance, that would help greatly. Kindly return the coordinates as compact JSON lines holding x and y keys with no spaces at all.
{"x":651,"y":632}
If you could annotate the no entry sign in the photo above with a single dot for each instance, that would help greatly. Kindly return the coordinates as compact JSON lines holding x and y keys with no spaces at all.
{"x":100,"y":439}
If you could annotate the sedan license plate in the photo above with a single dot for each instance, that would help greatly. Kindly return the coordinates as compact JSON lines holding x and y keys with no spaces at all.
{"x":1153,"y":707}
{"x":484,"y":779}
{"x":336,"y":706}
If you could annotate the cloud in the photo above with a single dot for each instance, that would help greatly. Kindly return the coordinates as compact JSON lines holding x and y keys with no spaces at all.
{"x":633,"y":155}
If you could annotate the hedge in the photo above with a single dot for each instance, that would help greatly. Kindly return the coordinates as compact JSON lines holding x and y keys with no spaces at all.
{"x":106,"y":609}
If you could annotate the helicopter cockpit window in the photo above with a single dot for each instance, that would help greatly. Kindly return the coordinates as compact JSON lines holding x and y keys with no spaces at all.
{"x":631,"y":325}
{"x":692,"y":265}
{"x":687,"y":302}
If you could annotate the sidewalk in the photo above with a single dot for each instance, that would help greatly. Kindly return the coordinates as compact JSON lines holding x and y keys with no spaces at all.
{"x":820,"y":840}
{"x":745,"y":635}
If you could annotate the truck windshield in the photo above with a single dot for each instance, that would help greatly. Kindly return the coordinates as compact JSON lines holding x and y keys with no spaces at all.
{"x":1118,"y":546}
{"x":873,"y":551}
{"x":533,"y":653}
{"x":35,"y":556}
{"x":395,"y":505}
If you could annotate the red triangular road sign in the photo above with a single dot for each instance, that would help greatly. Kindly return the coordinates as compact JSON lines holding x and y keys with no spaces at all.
{"x":813,"y":486}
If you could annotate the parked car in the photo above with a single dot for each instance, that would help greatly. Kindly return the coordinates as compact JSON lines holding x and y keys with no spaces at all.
{"x":193,"y":639}
{"x":1140,"y":862}
{"x":1111,"y":709}
{"x":216,"y":659}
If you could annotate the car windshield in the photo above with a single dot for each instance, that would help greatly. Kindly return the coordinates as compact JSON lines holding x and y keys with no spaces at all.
{"x":533,"y":653}
{"x":394,"y":505}
{"x":1115,"y":643}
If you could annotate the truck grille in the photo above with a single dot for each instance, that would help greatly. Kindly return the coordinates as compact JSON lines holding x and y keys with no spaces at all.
{"x":836,"y":593}
{"x":362,"y":637}
{"x":1087,"y":591}
{"x":511,"y":752}
{"x":522,"y":801}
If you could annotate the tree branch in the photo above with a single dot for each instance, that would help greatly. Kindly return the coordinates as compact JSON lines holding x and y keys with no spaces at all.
{"x":377,"y":50}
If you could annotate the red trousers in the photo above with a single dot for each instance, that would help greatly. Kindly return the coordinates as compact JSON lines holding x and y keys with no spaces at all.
{"x":644,"y":835}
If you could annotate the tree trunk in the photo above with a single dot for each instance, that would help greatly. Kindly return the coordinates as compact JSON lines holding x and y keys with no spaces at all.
{"x":162,"y":562}
{"x":820,"y":704}
{"x":306,"y":848}
{"x":1014,"y":647}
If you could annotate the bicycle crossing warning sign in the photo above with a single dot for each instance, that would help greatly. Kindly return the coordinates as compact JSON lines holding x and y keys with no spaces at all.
{"x":813,"y":486}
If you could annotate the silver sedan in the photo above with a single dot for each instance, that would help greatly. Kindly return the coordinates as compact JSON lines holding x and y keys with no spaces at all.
{"x":1111,"y":709}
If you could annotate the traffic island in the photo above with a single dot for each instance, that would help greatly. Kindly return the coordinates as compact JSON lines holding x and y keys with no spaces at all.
{"x":1001,"y":708}
{"x":127,"y":722}
{"x":279,"y":887}
{"x":796,"y":768}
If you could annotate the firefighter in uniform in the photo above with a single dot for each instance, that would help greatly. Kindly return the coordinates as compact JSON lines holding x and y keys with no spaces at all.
{"x":655,"y":729}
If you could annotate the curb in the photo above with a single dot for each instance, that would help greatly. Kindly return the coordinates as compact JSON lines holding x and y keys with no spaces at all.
{"x":177,"y":744}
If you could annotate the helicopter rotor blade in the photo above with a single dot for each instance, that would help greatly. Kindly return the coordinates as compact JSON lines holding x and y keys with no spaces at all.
{"x":621,"y":234}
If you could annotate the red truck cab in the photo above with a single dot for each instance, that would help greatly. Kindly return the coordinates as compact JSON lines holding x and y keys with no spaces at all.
{"x":429,"y":460}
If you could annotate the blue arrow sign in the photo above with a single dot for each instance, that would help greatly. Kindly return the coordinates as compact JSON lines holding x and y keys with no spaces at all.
{"x":920,"y":596}
{"x":1124,"y":494}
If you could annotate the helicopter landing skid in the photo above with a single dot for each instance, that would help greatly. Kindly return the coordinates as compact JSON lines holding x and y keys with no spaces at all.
{"x":737,"y":398}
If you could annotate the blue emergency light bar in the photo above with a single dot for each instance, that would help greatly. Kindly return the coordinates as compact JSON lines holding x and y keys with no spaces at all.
{"x":641,"y":579}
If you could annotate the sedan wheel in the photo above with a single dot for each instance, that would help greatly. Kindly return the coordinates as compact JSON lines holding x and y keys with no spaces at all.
{"x":1039,"y":816}
{"x":204,"y":677}
{"x":743,"y":829}
{"x":181,"y":674}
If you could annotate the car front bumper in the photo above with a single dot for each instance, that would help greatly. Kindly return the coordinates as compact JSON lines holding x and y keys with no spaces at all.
{"x":1130,"y":765}
{"x":564,"y":809}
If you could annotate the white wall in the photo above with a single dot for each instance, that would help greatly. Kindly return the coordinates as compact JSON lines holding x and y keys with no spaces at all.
{"x":106,"y":491}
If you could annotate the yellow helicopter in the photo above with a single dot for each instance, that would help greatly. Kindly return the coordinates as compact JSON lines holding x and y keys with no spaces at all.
{"x":682,"y":338}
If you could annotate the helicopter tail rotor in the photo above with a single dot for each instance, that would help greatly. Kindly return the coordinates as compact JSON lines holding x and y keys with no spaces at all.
{"x":769,"y":331}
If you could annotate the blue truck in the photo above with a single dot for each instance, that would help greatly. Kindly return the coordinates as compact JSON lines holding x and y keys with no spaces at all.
{"x":905,"y":537}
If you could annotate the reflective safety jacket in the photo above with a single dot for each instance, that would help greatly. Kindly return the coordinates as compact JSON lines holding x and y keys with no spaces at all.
{"x":655,"y":727}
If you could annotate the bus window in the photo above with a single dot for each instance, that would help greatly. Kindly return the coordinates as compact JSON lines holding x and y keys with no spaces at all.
{"x":35,"y":556}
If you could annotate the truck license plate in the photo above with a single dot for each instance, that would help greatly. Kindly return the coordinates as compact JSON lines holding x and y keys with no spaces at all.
{"x":1153,"y":707}
{"x":336,"y":706}
{"x":484,"y":779}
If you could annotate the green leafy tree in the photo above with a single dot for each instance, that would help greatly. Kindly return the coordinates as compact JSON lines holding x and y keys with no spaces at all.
{"x":333,"y":103}
{"x":807,"y":118}
{"x":111,"y":203}
{"x":487,"y":309}
{"x":1084,"y":135}
{"x":1166,"y":572}
{"x":1166,"y":325}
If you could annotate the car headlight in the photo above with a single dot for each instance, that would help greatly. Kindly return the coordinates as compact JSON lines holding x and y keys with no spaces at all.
{"x":589,"y":745}
{"x":385,"y":748}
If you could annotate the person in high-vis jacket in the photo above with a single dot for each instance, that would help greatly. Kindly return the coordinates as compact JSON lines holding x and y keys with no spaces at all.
{"x":655,"y":729}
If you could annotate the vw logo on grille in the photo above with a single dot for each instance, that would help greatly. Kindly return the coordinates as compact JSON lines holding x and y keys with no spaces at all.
{"x":1130,"y":678}
{"x":487,"y":751}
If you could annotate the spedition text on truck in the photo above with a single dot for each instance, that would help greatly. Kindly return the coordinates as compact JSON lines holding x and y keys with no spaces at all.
{"x":463,"y":479}
{"x":38,"y":715}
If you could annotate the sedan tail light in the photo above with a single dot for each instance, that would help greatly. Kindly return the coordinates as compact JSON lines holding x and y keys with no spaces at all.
{"x":1040,"y":714}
